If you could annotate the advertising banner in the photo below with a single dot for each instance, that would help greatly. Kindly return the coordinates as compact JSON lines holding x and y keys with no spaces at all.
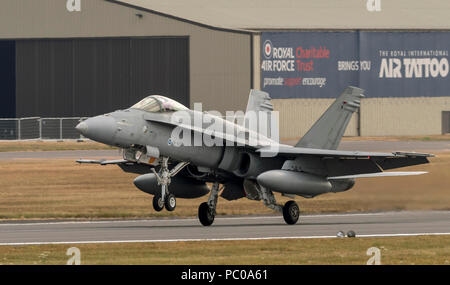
{"x":385,"y":64}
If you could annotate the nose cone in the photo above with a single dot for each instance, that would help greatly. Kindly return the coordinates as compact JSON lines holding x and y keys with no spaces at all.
{"x":82,"y":128}
{"x":100,"y":128}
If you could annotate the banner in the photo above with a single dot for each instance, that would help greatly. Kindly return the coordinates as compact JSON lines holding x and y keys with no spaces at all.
{"x":385,"y":64}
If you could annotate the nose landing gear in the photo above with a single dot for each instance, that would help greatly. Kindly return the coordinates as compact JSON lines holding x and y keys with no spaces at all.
{"x":158,"y":203}
{"x":170,"y":203}
{"x":166,"y":199}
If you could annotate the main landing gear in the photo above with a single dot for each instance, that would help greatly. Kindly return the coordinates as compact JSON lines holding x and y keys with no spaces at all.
{"x":290,"y":210}
{"x":207,"y":210}
{"x":166,"y":199}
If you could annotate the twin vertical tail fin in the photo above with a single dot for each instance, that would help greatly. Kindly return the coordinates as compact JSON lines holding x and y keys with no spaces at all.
{"x":327,"y":132}
{"x":259,"y":107}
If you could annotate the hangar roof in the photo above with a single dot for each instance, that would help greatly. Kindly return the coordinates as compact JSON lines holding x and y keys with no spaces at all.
{"x":305,"y":14}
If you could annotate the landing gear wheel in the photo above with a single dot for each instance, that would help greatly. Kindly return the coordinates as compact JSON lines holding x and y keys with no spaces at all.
{"x":170,"y":202}
{"x":205,"y":214}
{"x":291,"y":212}
{"x":158,"y":203}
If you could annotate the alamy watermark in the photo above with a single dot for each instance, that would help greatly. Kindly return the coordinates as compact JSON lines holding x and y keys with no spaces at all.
{"x":236,"y":128}
{"x":75,"y":256}
{"x":73,"y":5}
{"x":375,"y":254}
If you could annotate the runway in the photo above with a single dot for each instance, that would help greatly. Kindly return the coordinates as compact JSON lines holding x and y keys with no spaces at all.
{"x":224,"y":228}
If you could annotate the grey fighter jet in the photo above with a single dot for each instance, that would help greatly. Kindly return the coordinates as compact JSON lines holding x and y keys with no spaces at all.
{"x":170,"y":147}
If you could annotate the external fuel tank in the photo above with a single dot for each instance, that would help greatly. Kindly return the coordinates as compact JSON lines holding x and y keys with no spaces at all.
{"x":293,"y":182}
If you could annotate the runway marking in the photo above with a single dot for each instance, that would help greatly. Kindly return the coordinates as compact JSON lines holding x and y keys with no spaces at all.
{"x":213,"y":239}
{"x":27,"y":223}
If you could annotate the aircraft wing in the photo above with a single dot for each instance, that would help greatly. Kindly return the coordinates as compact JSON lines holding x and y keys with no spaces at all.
{"x":102,"y":161}
{"x":378,"y":174}
{"x":343,"y":163}
{"x":125,"y":165}
{"x":297,"y":151}
{"x":289,"y":151}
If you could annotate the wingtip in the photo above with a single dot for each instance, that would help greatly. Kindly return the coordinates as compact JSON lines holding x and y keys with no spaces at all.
{"x":403,"y":153}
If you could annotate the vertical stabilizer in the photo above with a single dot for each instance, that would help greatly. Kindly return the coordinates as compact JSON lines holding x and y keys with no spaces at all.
{"x":259,"y":101}
{"x":327,"y":132}
{"x":260,"y":108}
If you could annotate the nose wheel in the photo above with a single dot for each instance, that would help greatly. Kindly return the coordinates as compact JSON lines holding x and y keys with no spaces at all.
{"x":170,"y":202}
{"x":166,"y":199}
{"x":158,"y":203}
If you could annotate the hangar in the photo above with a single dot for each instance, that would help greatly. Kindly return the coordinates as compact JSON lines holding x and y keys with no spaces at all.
{"x":81,"y":58}
{"x":63,"y":58}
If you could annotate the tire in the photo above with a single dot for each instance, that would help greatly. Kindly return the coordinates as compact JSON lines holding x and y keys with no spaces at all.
{"x":205,"y":214}
{"x":170,"y":203}
{"x":158,"y":204}
{"x":291,"y":212}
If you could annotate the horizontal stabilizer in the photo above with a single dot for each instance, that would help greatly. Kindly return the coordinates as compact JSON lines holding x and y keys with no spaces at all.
{"x":378,"y":174}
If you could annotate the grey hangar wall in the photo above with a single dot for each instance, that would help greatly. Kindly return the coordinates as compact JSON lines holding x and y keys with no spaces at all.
{"x":218,"y":60}
{"x":223,"y":64}
{"x":86,"y":77}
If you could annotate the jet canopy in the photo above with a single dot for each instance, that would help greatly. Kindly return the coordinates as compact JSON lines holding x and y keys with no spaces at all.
{"x":159,"y":104}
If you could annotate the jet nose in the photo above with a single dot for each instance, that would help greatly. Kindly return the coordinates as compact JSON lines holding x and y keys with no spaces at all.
{"x":82,"y":128}
{"x":101,"y":128}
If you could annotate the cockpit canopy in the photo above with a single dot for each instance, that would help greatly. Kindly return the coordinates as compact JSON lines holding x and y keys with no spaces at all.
{"x":159,"y":104}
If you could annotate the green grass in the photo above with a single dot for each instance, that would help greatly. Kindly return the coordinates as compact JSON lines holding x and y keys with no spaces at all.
{"x":394,"y":250}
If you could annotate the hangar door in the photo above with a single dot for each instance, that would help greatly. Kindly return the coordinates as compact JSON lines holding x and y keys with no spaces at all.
{"x":86,"y":77}
{"x":7,"y":79}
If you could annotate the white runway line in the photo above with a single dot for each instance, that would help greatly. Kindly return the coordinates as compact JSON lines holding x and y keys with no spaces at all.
{"x":214,"y":239}
{"x":27,"y":223}
{"x":130,"y":221}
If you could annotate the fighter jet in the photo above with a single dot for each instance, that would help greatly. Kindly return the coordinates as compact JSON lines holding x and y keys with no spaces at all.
{"x":178,"y":151}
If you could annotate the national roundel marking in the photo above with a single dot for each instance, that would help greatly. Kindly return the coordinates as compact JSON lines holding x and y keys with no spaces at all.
{"x":267,"y":48}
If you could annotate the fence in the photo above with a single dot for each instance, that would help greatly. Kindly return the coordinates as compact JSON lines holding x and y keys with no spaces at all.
{"x":39,"y":128}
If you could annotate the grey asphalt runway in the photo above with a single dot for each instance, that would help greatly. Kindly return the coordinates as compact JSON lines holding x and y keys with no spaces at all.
{"x":224,"y":228}
{"x":424,"y":146}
